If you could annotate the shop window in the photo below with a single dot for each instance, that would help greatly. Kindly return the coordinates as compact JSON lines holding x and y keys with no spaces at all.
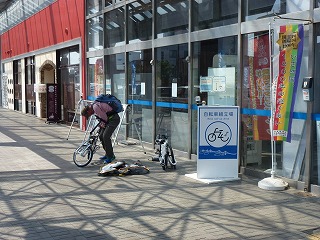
{"x":29,"y":85}
{"x":214,"y":13}
{"x":172,"y":17}
{"x":140,"y":94}
{"x":93,"y":6}
{"x":108,"y":3}
{"x":17,"y":79}
{"x":139,"y":21}
{"x":288,"y":150}
{"x":172,"y":94}
{"x":95,"y":33}
{"x":214,"y":75}
{"x":69,"y":78}
{"x":315,"y":169}
{"x":95,"y":78}
{"x":254,"y":9}
{"x":114,"y":27}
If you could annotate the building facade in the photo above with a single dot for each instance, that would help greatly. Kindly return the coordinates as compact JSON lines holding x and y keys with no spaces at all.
{"x":43,"y":49}
{"x":163,"y":57}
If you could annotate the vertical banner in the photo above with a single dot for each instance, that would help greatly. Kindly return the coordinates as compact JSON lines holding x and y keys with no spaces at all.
{"x":259,"y":86}
{"x":53,"y":105}
{"x":218,"y":142}
{"x":133,"y":78}
{"x":286,"y":70}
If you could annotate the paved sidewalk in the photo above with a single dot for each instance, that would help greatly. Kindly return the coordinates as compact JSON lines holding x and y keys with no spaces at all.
{"x":43,"y":195}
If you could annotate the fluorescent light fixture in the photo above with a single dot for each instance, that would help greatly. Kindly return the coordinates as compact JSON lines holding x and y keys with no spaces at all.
{"x":170,"y":7}
{"x":183,"y":5}
{"x":161,"y":11}
{"x":148,"y":14}
{"x":113,"y":24}
{"x":139,"y":17}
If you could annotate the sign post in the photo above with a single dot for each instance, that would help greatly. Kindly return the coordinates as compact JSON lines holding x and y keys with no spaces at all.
{"x":218,"y":144}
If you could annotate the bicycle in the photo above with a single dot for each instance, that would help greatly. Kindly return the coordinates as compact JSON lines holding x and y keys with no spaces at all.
{"x":82,"y":156}
{"x":166,"y":155}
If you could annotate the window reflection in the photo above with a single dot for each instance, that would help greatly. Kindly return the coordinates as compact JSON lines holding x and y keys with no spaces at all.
{"x":114,"y":27}
{"x":254,"y":9}
{"x":213,"y":13}
{"x":15,"y":13}
{"x":94,"y":6}
{"x":140,"y":94}
{"x":95,"y":77}
{"x":69,"y":77}
{"x":108,"y":3}
{"x":139,"y":21}
{"x":95,"y":33}
{"x":172,"y":94}
{"x":171,"y":17}
{"x":115,"y":75}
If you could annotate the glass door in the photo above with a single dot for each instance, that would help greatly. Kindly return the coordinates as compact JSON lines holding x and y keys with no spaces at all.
{"x":172,"y":95}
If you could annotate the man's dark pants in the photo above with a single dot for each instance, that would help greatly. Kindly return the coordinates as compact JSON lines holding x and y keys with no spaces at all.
{"x":106,"y":133}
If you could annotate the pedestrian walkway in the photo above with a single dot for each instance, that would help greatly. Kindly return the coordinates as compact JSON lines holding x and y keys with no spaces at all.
{"x":43,"y":195}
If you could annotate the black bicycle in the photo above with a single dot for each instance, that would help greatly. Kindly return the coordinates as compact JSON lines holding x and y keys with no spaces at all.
{"x":82,"y":156}
{"x":166,"y":156}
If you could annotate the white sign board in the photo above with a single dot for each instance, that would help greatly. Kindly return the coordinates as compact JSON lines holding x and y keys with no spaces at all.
{"x":40,"y":88}
{"x":218,"y":142}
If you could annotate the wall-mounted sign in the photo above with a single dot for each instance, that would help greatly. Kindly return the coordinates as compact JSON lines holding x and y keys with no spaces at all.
{"x":40,"y":88}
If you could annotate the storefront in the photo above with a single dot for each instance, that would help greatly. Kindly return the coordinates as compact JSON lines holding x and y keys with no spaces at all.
{"x":162,"y":56}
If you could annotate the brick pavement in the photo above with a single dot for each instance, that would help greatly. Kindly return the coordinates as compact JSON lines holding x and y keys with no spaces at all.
{"x":43,"y":195}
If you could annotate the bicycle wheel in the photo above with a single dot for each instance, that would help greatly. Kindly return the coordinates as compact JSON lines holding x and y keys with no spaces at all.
{"x":82,"y":156}
{"x":171,"y":158}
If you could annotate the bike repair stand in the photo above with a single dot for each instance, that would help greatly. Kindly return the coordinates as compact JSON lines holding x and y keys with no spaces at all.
{"x":126,"y":108}
{"x":91,"y":124}
{"x":75,"y":115}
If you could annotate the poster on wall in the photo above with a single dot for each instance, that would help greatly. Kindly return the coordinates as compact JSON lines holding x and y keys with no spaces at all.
{"x":206,"y":84}
{"x":53,"y":105}
{"x":286,"y":70}
{"x":108,"y":86}
{"x":223,"y":86}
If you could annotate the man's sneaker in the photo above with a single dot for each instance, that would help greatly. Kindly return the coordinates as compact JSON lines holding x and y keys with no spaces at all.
{"x":109,"y":160}
{"x":103,"y":158}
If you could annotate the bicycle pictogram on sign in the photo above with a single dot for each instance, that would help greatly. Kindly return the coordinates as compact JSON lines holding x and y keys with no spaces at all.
{"x":218,"y":134}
